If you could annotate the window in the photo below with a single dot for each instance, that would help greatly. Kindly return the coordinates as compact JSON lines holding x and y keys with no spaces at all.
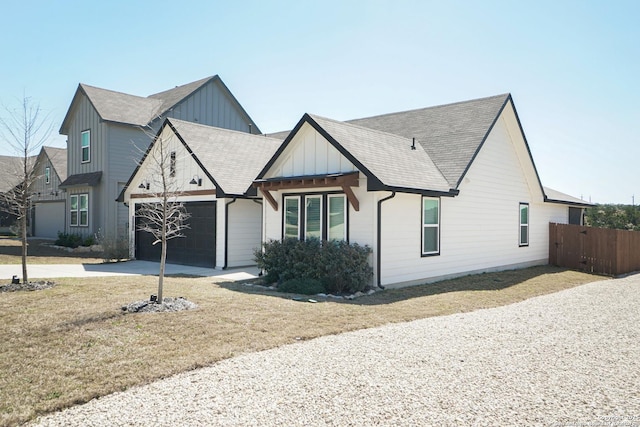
{"x":524,"y":224}
{"x":79,"y":210}
{"x":47,"y":175}
{"x":292,"y":217}
{"x":85,"y":146}
{"x":430,"y":226}
{"x":324,"y":216}
{"x":172,"y":164}
{"x":313,"y":217}
{"x":337,"y":217}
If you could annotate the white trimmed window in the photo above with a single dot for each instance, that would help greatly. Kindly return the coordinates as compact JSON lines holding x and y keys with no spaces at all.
{"x":292,"y":217}
{"x":313,"y":217}
{"x":79,"y":210}
{"x":524,"y":224}
{"x":430,"y":226}
{"x":324,"y":216}
{"x":85,"y":146}
{"x":337,"y":217}
{"x":47,"y":175}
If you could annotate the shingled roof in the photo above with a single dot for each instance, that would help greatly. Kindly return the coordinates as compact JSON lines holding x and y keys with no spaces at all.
{"x":58,"y":159}
{"x":135,"y":110}
{"x":388,"y":158}
{"x":231,"y":158}
{"x":451,"y":134}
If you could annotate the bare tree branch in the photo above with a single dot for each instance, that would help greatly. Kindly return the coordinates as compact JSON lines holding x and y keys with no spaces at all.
{"x":165,"y":217}
{"x":24,"y":130}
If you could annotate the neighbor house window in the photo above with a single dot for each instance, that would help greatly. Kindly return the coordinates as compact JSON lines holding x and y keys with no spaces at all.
{"x":79,"y":215}
{"x":85,"y":146}
{"x":172,"y":164}
{"x":324,"y":216}
{"x":292,"y":217}
{"x":430,"y":226}
{"x":47,"y":175}
{"x":524,"y":224}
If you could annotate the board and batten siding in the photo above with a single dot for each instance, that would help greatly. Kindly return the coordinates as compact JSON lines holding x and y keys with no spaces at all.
{"x":126,"y":146}
{"x":212,"y":106}
{"x":310,"y":154}
{"x":84,"y":118}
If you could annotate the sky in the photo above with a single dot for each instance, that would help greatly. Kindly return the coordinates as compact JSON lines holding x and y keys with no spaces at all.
{"x":572,"y":67}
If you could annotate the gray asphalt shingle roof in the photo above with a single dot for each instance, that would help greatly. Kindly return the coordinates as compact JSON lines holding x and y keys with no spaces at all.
{"x":90,"y":179}
{"x":451,"y":134}
{"x":388,"y":157}
{"x":11,"y":172}
{"x":58,"y":158}
{"x":232,"y":158}
{"x":135,"y":110}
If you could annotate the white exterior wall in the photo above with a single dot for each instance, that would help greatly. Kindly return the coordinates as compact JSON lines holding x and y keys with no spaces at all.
{"x":479,"y":228}
{"x":245,"y":229}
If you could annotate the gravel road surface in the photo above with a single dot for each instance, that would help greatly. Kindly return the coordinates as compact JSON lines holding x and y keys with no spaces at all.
{"x":569,"y":358}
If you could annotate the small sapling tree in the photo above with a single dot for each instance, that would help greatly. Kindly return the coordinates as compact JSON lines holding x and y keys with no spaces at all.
{"x":164,"y":217}
{"x":24,"y":130}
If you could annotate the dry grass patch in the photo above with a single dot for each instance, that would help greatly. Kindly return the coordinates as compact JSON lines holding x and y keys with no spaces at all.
{"x":71,"y":343}
{"x":41,"y":252}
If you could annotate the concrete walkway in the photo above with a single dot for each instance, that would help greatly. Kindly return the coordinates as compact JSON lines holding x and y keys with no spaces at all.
{"x":129,"y":268}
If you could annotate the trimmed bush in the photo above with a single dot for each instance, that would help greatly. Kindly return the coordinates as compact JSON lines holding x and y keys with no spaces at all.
{"x":73,"y":240}
{"x":302,"y":286}
{"x":340,"y":267}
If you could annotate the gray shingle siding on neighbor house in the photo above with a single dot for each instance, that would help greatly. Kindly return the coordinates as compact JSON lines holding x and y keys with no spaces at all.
{"x":116,"y":122}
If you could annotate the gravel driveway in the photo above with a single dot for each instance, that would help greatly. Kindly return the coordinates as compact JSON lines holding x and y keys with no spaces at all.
{"x":570,"y":358}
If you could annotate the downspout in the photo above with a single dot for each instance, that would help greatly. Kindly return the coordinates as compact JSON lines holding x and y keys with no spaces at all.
{"x":226,"y":232}
{"x":379,"y":238}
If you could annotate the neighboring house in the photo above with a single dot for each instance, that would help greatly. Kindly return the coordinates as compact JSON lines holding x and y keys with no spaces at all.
{"x":211,"y":170}
{"x":108,"y":132}
{"x":11,"y":174}
{"x":435,"y":192}
{"x":49,"y":209}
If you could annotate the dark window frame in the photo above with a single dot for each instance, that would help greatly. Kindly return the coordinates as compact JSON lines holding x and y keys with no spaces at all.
{"x":424,"y":254}
{"x":325,"y":217}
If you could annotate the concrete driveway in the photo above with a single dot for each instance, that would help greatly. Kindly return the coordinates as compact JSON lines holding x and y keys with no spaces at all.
{"x":129,"y":268}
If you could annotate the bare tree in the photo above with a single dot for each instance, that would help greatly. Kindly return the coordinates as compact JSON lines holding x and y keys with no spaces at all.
{"x":165,"y":218}
{"x":24,"y":130}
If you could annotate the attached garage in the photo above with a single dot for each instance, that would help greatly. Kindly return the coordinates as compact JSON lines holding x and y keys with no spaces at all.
{"x":198,"y":247}
{"x":49,"y":218}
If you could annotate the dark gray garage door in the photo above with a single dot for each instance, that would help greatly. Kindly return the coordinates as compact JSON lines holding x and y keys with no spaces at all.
{"x":198,"y":247}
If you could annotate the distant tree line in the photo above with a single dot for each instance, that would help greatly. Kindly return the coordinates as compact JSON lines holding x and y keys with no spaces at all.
{"x":621,"y":217}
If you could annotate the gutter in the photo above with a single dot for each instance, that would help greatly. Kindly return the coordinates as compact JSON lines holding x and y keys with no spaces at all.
{"x":226,"y":232}
{"x":379,"y":239}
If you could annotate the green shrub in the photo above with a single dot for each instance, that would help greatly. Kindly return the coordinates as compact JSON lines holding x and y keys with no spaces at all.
{"x":340,"y":267}
{"x":346,"y":267}
{"x":73,"y":240}
{"x":302,"y":286}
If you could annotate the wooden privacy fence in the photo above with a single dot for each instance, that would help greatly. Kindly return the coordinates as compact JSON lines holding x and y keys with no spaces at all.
{"x":595,"y":250}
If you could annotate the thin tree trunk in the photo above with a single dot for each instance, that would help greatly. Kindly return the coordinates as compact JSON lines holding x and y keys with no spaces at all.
{"x":163,"y":258}
{"x":25,"y":279}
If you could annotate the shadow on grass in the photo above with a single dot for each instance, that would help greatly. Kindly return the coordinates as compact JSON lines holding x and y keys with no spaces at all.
{"x":494,"y":281}
{"x":12,"y":246}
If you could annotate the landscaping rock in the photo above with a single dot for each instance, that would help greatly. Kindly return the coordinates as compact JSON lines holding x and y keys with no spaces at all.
{"x":168,"y":304}
{"x":31,"y":286}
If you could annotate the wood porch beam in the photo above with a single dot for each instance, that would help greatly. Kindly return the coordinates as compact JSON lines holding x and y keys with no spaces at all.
{"x":270,"y":199}
{"x":355,"y":203}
